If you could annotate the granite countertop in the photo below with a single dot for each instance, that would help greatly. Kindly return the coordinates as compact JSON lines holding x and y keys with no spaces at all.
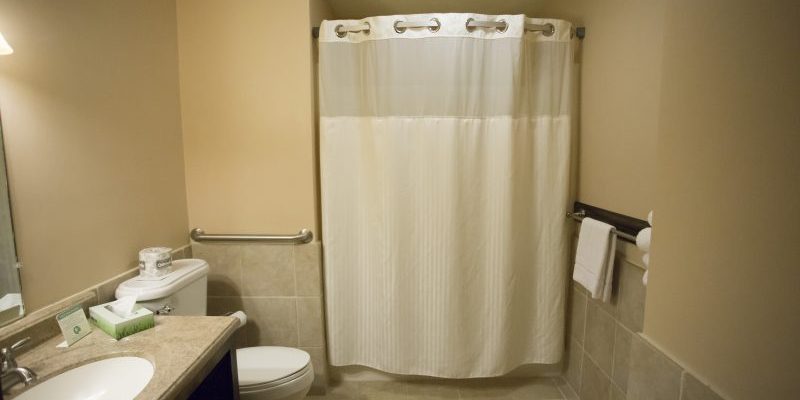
{"x":180,"y":349}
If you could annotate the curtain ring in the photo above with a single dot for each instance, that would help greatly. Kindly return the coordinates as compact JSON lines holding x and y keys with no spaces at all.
{"x":397,"y":28}
{"x":340,"y":33}
{"x":470,"y":28}
{"x":551,"y":30}
{"x":435,"y":28}
{"x":504,"y":28}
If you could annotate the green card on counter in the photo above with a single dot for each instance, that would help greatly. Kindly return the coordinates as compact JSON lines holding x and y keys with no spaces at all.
{"x":73,"y":324}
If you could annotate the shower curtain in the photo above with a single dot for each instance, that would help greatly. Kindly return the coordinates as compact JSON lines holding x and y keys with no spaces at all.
{"x":445,"y":165}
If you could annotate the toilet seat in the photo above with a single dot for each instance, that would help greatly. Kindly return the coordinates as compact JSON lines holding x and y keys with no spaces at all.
{"x":263,"y":367}
{"x":257,"y":387}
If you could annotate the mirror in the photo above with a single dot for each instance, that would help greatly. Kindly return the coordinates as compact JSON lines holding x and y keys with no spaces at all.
{"x":11,"y":307}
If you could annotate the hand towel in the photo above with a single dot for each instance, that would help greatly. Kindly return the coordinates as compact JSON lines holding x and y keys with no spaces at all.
{"x":643,"y":242}
{"x":594,"y":258}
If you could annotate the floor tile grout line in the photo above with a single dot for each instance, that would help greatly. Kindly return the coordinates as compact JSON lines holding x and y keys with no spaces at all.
{"x":558,"y":387}
{"x":597,"y":365}
{"x":573,"y":391}
{"x":613,"y":385}
{"x":613,"y":352}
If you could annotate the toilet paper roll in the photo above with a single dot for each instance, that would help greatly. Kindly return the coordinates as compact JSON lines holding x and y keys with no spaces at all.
{"x":241,"y":316}
{"x":155,"y":261}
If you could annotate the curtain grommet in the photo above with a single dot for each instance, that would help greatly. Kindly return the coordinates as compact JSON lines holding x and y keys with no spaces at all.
{"x":369,"y":27}
{"x":340,"y":33}
{"x":397,"y":28}
{"x":504,"y":28}
{"x":437,"y":27}
{"x":551,"y":30}
{"x":470,"y":28}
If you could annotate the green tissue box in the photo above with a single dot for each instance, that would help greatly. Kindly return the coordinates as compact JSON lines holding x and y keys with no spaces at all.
{"x":118,"y":327}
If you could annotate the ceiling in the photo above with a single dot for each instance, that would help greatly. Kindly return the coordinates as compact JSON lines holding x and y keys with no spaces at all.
{"x":354,"y":9}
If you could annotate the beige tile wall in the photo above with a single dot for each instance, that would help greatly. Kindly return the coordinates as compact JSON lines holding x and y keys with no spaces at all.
{"x":607,"y":358}
{"x":279,"y":287}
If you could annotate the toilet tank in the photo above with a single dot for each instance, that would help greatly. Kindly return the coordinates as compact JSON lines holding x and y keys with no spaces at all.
{"x":181,"y":292}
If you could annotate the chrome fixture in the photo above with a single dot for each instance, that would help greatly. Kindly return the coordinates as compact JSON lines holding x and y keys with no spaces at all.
{"x":581,"y":214}
{"x":302,"y":237}
{"x":433,"y":25}
{"x":165,"y":310}
{"x":12,"y":374}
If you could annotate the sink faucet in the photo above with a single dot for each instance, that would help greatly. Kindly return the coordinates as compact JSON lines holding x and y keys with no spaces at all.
{"x":12,"y":374}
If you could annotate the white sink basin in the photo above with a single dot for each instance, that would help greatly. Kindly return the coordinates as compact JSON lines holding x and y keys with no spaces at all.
{"x":113,"y":378}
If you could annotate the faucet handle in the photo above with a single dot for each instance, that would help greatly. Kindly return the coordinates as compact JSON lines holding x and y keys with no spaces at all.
{"x":20,"y":343}
{"x":8,"y":361}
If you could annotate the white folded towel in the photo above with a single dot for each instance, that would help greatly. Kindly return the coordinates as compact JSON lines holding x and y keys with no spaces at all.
{"x":594,"y":259}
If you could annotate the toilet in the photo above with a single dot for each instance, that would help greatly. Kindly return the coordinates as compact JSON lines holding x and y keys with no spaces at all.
{"x":265,"y":372}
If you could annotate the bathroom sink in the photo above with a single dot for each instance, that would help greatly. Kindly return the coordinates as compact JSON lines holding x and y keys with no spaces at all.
{"x":111,"y":378}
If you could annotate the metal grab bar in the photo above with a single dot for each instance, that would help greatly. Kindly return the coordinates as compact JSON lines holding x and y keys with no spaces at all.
{"x":302,"y":237}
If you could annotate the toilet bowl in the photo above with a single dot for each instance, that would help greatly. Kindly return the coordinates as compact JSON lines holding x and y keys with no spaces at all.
{"x":274,"y":373}
{"x":265,"y":372}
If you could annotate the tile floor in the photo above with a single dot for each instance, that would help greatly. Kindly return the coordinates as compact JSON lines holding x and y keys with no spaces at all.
{"x":479,"y":389}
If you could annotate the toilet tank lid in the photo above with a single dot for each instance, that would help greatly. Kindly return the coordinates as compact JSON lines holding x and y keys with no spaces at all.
{"x":183,"y":273}
{"x":262,"y":364}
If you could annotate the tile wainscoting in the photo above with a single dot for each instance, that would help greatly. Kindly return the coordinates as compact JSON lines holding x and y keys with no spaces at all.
{"x":279,"y":287}
{"x":608,"y":359}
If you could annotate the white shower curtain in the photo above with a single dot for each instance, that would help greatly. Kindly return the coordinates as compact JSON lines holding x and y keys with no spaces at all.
{"x":445,"y":165}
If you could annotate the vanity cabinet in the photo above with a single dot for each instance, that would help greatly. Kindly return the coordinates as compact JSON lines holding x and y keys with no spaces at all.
{"x":221,"y":383}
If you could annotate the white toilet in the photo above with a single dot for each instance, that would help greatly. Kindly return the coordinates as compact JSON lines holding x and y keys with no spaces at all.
{"x":265,"y":372}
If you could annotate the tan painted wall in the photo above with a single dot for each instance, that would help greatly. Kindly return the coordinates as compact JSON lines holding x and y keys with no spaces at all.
{"x":319,"y":10}
{"x":247,"y":109}
{"x":346,"y":9}
{"x":619,"y":99}
{"x":91,"y":120}
{"x":723,"y":294}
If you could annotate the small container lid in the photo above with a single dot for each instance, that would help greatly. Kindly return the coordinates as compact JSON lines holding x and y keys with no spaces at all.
{"x":183,"y":273}
{"x":264,"y":364}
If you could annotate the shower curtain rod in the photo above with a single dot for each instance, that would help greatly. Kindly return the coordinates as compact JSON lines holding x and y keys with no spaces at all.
{"x":580,"y":31}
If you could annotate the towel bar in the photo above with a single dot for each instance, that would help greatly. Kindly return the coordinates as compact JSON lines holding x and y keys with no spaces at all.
{"x":626,"y":227}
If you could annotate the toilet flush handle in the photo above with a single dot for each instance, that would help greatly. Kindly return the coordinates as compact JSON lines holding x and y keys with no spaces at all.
{"x":165,"y":310}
